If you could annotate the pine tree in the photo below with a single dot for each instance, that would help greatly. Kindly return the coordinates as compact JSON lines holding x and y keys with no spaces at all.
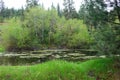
{"x":32,"y":3}
{"x":69,"y":10}
{"x":59,"y":11}
{"x":102,"y":25}
{"x":52,"y":6}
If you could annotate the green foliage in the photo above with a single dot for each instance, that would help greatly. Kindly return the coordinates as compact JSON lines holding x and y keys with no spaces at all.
{"x":41,"y":24}
{"x":2,"y":49}
{"x":101,"y":26}
{"x":42,"y":28}
{"x":15,"y":36}
{"x":1,"y":19}
{"x":2,"y":6}
{"x":31,"y":3}
{"x":72,"y":33}
{"x":49,"y":29}
{"x":105,"y":41}
{"x":59,"y":70}
{"x":8,"y":13}
{"x":81,"y":12}
{"x":69,"y":11}
{"x":59,"y":10}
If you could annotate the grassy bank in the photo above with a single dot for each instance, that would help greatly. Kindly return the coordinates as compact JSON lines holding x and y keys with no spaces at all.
{"x":61,"y":70}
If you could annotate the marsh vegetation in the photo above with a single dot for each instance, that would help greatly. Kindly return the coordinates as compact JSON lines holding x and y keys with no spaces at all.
{"x":60,"y":44}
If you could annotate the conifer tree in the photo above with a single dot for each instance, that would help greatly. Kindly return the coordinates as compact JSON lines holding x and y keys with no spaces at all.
{"x":69,"y":10}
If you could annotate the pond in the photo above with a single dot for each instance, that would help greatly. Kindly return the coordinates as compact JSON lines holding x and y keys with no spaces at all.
{"x":35,"y":57}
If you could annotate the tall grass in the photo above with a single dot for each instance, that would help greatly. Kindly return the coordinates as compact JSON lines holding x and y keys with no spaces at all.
{"x":57,"y":70}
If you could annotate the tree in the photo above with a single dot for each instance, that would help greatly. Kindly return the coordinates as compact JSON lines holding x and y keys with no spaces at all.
{"x":69,"y":10}
{"x":52,"y":6}
{"x":81,"y":12}
{"x":101,"y":24}
{"x":20,"y":13}
{"x":32,"y":3}
{"x":42,"y":25}
{"x":2,"y":7}
{"x":117,"y":8}
{"x":11,"y":12}
{"x":102,"y":8}
{"x":59,"y":11}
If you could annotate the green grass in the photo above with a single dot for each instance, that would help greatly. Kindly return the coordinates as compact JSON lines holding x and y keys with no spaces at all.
{"x":57,"y":70}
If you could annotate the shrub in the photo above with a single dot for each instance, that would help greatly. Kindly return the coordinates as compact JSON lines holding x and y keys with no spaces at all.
{"x":14,"y":36}
{"x":72,"y":34}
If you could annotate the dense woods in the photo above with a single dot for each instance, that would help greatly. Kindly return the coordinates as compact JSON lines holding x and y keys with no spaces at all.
{"x":71,"y":44}
{"x":33,"y":27}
